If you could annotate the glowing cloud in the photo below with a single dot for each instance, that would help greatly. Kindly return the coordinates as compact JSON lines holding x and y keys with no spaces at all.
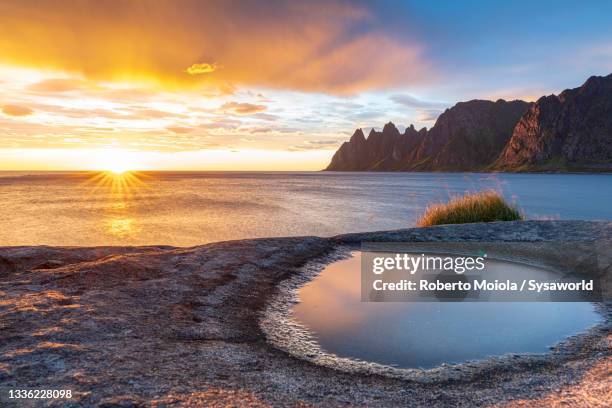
{"x":16,"y":110}
{"x":317,"y":46}
{"x":52,"y":85}
{"x":203,"y":68}
{"x":242,"y":108}
{"x":179,"y":129}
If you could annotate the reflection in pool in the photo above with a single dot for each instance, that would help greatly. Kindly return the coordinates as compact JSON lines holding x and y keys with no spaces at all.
{"x":425,"y":335}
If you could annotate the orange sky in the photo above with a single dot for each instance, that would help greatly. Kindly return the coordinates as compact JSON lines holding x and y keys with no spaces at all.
{"x":235,"y":85}
{"x":187,"y":84}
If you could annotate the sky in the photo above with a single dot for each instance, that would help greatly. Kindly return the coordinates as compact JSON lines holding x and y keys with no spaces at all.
{"x":267,"y":85}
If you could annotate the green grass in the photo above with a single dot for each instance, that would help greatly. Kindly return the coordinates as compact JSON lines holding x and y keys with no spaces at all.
{"x":485,"y":206}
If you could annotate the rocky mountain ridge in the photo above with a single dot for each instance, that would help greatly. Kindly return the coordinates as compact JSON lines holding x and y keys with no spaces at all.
{"x":568,"y":132}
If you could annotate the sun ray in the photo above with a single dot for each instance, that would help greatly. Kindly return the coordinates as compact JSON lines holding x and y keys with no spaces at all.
{"x":118,"y":193}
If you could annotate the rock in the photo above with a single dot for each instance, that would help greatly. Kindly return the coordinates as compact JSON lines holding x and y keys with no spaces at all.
{"x":116,"y":326}
{"x":568,"y":132}
{"x":467,"y":136}
{"x":571,"y":131}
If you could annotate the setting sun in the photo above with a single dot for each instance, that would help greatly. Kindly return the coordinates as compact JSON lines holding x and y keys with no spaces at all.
{"x":116,"y":161}
{"x":118,"y":168}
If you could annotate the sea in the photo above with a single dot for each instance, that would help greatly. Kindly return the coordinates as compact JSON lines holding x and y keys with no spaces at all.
{"x":194,"y":208}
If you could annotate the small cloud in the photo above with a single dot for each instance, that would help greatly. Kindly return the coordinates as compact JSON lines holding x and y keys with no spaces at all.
{"x":179,"y":129}
{"x":57,"y":85}
{"x":266,"y":116}
{"x":414,"y":102}
{"x":428,"y":115}
{"x":260,"y":130}
{"x":16,"y":110}
{"x":224,"y":123}
{"x":242,"y":108}
{"x":315,"y":145}
{"x":367,"y":115}
{"x":147,"y":113}
{"x":202,"y":68}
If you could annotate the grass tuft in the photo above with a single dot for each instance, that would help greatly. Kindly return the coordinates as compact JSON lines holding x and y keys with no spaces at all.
{"x":485,"y":206}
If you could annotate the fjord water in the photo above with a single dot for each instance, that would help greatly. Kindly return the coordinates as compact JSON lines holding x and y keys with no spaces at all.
{"x":427,"y":334}
{"x":191,"y":208}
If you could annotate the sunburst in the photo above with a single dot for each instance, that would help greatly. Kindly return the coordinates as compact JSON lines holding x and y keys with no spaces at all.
{"x":120,"y":190}
{"x":118,"y":182}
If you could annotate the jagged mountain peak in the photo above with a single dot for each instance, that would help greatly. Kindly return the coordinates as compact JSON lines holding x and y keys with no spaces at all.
{"x":574,"y":127}
{"x":488,"y":121}
{"x":390,"y":129}
{"x":358,"y":136}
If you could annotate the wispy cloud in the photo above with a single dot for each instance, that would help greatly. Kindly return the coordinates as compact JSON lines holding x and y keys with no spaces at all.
{"x":315,"y":145}
{"x":16,"y":110}
{"x":242,"y":108}
{"x":411,"y":101}
{"x":428,"y":115}
{"x":51,"y":85}
{"x":180,"y":129}
{"x":424,"y":111}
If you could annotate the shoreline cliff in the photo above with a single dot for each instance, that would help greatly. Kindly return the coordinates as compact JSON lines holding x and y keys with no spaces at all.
{"x":569,"y":132}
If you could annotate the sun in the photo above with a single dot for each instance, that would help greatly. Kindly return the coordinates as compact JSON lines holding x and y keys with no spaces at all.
{"x":118,"y":168}
{"x":116,"y":161}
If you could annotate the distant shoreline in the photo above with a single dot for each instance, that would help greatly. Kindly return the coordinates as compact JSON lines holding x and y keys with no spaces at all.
{"x":321,"y":171}
{"x":604,"y":172}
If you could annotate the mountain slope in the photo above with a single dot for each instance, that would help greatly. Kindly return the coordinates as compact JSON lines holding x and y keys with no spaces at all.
{"x":571,"y":130}
{"x":568,"y":132}
{"x":469,"y":134}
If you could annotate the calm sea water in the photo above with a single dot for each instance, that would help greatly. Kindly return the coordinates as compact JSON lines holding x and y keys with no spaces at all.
{"x":184,"y":209}
{"x":427,"y":334}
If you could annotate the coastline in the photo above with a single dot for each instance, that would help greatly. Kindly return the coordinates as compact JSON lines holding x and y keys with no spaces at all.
{"x":605,"y":171}
{"x":157,"y":325}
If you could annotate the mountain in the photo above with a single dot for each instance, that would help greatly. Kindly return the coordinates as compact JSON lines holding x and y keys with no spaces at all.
{"x":571,"y":131}
{"x":467,"y":135}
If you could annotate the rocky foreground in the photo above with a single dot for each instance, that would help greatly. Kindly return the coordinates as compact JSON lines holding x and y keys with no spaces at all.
{"x":166,"y":327}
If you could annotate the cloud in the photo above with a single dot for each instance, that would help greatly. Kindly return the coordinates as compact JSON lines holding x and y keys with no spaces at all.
{"x":180,"y":129}
{"x":147,"y":113}
{"x":315,"y":145}
{"x":267,"y":117}
{"x":57,"y":85}
{"x":334,"y":46}
{"x":221,"y":123}
{"x":260,"y":130}
{"x":202,"y":68}
{"x":426,"y":111}
{"x":411,"y":101}
{"x":238,"y":108}
{"x":428,"y":115}
{"x":16,"y":110}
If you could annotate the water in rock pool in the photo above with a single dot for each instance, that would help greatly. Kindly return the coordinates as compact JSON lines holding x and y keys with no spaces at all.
{"x":427,"y":334}
{"x":192,"y":208}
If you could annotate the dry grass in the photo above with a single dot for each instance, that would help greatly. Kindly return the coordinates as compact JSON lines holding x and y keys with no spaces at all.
{"x":485,"y":206}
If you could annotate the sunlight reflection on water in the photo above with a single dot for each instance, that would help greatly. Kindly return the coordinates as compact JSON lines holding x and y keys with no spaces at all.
{"x":187,"y":208}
